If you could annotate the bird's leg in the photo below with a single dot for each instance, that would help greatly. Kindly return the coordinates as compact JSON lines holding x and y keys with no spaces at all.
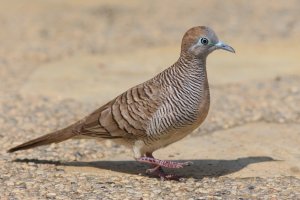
{"x":158,"y":164}
{"x":163,"y":163}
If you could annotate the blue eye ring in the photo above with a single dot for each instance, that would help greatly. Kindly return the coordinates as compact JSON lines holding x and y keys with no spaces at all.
{"x":204,"y":41}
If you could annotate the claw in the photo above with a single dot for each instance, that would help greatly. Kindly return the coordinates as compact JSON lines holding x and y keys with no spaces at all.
{"x":152,"y":170}
{"x":188,"y":163}
{"x":161,"y":174}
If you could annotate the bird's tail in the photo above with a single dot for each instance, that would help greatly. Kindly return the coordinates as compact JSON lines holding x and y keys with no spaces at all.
{"x":55,"y":137}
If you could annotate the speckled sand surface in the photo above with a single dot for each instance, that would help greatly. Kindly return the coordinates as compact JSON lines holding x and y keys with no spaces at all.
{"x":52,"y":52}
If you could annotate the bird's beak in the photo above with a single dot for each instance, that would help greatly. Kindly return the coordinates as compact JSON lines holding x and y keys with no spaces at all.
{"x":226,"y":47}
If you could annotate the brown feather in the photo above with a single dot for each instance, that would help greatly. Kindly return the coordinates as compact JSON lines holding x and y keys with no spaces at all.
{"x":55,"y":137}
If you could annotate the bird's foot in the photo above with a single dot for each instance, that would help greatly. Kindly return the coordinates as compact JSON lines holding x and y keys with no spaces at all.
{"x":157,"y":170}
{"x":164,"y":163}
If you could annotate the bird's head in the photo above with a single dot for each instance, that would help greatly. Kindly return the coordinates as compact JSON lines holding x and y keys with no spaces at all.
{"x":200,"y":41}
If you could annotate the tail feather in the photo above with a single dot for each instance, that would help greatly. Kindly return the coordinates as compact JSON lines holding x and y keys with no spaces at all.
{"x":55,"y":137}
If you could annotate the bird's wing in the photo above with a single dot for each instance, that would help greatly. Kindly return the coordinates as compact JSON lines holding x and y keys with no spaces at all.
{"x":127,"y":116}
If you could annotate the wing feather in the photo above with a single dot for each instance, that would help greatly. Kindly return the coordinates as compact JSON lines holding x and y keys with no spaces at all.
{"x":126,"y":116}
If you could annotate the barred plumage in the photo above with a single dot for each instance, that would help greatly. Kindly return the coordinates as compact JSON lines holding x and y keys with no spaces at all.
{"x":157,"y":112}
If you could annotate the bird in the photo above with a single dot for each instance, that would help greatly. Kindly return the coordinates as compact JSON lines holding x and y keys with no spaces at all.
{"x":155,"y":113}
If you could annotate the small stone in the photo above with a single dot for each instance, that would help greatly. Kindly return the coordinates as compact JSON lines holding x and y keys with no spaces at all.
{"x":157,"y":191}
{"x":251,"y":187}
{"x":51,"y":195}
{"x":294,"y":89}
{"x":146,"y":195}
{"x":203,"y":191}
{"x":10,"y":183}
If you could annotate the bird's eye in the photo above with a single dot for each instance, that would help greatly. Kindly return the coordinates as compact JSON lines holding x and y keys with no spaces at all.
{"x":204,"y":41}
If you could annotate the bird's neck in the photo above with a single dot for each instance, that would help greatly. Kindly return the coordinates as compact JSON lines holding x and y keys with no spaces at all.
{"x":187,"y":72}
{"x":193,"y":62}
{"x":192,"y":69}
{"x":187,"y":76}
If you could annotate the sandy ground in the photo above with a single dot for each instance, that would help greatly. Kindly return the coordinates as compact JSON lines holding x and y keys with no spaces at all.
{"x":59,"y":60}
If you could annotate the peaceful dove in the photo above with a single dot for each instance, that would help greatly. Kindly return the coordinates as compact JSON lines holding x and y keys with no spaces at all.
{"x":155,"y":113}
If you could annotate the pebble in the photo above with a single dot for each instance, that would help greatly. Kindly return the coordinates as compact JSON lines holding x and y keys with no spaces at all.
{"x":51,"y":195}
{"x":9,"y":183}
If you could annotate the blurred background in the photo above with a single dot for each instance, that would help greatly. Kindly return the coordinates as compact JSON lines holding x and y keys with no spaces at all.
{"x":62,"y":59}
{"x":82,"y":49}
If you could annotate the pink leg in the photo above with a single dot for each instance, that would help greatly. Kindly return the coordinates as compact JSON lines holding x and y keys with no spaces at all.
{"x":158,"y":164}
{"x":163,"y":163}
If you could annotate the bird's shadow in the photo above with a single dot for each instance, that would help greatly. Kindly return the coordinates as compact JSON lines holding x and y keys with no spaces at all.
{"x":198,"y":170}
